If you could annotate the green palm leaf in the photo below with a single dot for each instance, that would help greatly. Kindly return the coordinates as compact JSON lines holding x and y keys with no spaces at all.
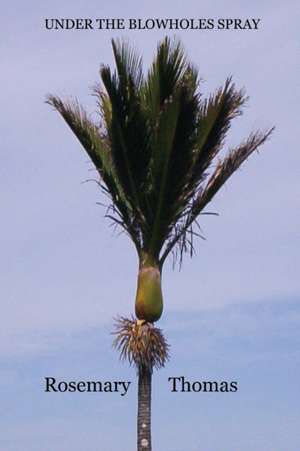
{"x":158,"y":142}
{"x":97,"y":147}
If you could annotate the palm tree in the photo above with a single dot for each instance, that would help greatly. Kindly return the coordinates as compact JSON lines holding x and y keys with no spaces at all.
{"x":156,"y":150}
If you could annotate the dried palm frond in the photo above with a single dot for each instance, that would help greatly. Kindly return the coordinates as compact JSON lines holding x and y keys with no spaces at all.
{"x":142,"y":344}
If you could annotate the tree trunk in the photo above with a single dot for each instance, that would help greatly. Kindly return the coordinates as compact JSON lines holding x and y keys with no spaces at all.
{"x":144,"y":410}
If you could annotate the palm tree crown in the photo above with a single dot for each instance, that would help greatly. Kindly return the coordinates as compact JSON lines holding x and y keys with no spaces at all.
{"x":156,"y":149}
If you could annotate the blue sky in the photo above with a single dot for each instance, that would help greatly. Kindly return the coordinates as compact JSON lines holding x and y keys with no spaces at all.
{"x":231,"y":313}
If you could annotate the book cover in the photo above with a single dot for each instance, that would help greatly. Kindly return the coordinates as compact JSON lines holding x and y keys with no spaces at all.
{"x":150,"y":226}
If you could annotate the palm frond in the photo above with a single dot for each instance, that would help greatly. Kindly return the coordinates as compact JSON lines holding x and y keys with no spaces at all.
{"x":163,"y":76}
{"x":227,"y":167}
{"x":171,"y":105}
{"x":86,"y":131}
{"x":97,"y":147}
{"x":215,"y":116}
{"x":172,"y":161}
{"x":221,"y":174}
{"x":129,"y":65}
{"x":126,"y":124}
